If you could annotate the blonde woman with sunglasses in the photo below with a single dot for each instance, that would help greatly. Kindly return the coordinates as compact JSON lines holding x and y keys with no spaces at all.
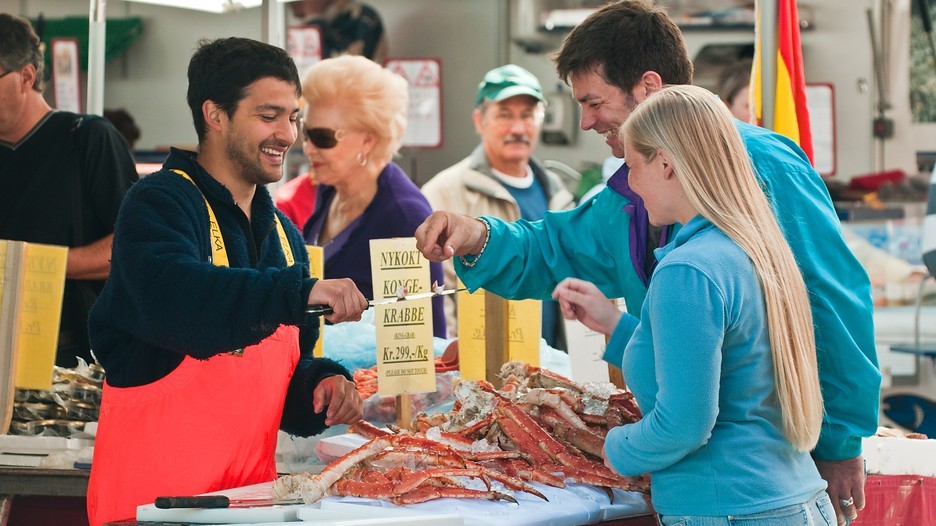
{"x":722,"y":360}
{"x":354,"y":122}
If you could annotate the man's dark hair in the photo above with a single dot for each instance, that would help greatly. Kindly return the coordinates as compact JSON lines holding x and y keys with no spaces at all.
{"x":733,"y":79}
{"x":125,"y":124}
{"x":623,"y":40}
{"x":222,"y":69}
{"x":19,"y":46}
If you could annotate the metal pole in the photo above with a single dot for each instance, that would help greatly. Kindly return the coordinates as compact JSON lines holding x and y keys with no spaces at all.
{"x":767,"y":39}
{"x":97,"y":33}
{"x":271,"y":16}
{"x":503,"y":33}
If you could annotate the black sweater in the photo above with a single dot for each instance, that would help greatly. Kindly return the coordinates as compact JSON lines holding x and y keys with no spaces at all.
{"x":164,"y":299}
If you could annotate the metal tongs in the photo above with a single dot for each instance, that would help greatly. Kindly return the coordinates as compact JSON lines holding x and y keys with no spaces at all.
{"x":325,"y":310}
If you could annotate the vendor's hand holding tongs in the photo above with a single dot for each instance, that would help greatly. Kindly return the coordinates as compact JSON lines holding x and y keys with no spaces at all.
{"x":324,"y":310}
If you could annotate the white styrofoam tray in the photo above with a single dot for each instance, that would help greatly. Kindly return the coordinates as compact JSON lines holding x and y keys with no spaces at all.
{"x":899,"y":456}
{"x":576,"y":504}
{"x":40,"y":445}
{"x":251,"y":515}
{"x":333,"y":447}
{"x":351,"y":514}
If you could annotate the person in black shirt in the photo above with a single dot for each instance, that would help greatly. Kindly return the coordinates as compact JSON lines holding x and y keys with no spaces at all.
{"x":348,"y":27}
{"x":63,"y":176}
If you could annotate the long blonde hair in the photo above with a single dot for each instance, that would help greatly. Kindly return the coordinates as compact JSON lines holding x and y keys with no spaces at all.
{"x":698,"y":133}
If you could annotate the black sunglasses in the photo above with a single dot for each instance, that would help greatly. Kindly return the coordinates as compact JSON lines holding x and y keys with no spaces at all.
{"x":324,"y":138}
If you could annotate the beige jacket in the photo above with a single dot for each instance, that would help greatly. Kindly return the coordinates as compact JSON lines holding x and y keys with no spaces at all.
{"x":470,"y":188}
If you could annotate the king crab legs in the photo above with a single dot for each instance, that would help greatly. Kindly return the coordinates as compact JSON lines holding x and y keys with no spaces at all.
{"x":358,"y":473}
{"x":539,"y":428}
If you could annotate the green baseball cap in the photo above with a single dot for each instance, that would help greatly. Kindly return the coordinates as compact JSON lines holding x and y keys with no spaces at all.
{"x":508,"y":81}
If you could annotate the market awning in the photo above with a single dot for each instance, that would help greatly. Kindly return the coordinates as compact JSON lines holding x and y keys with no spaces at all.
{"x":121,"y":34}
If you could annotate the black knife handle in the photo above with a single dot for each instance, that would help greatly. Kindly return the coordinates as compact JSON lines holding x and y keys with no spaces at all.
{"x":205,"y":501}
{"x":319,"y":310}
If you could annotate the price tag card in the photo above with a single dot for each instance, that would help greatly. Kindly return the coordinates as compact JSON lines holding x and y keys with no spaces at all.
{"x":41,"y":310}
{"x":586,"y":349}
{"x":317,"y":270}
{"x":524,"y":325}
{"x":405,"y":361}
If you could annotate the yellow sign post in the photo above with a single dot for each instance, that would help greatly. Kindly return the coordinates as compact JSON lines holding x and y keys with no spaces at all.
{"x":317,"y":270}
{"x":521,"y":330}
{"x":32,"y":283}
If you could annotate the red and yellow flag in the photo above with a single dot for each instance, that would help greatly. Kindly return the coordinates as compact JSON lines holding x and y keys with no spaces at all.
{"x":791,"y":116}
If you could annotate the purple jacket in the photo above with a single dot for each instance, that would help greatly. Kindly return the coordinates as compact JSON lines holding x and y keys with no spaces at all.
{"x":397,"y":209}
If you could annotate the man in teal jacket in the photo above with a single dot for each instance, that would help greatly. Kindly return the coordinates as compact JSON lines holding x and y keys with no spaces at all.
{"x":613,"y":65}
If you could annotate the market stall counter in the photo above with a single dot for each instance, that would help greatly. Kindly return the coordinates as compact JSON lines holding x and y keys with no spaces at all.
{"x":31,"y":495}
{"x":899,"y":490}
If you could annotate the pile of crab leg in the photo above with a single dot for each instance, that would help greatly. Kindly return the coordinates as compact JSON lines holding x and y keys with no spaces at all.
{"x":539,"y":427}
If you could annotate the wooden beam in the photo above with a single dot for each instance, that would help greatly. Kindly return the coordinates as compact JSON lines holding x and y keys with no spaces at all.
{"x":496,"y":336}
{"x":11,"y":287}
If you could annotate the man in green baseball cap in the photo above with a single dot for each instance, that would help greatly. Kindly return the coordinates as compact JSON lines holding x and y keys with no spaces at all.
{"x":501,"y":178}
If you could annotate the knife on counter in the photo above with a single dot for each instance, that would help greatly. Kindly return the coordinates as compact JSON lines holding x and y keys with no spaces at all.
{"x":324,"y":310}
{"x":217,"y":501}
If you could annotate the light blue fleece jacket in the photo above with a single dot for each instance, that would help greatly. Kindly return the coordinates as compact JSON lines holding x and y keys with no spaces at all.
{"x":700,"y":367}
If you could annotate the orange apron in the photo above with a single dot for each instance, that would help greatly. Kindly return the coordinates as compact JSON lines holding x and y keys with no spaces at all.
{"x":206,"y":426}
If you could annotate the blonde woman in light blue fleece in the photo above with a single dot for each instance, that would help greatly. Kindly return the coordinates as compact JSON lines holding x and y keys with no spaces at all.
{"x":722,"y":360}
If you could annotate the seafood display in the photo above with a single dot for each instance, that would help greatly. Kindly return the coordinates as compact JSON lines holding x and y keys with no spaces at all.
{"x":538,"y":428}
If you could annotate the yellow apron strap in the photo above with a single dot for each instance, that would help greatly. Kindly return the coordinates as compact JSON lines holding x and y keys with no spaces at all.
{"x":284,"y":241}
{"x":220,"y":257}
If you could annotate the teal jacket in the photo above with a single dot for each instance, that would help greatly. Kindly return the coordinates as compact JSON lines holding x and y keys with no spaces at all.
{"x":701,"y":369}
{"x":603,"y":241}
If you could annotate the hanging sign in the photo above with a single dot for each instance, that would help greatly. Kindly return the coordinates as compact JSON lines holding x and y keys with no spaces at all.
{"x":424,"y":113}
{"x":65,"y":76}
{"x":304,"y":45}
{"x":820,"y":99}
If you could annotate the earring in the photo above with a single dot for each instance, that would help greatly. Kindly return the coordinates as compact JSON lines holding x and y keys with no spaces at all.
{"x":361,"y":158}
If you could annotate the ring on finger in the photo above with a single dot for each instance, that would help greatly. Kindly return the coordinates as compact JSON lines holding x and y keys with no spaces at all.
{"x":850,"y":501}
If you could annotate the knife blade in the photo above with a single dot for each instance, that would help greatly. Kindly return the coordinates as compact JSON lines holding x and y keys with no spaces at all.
{"x":217,"y":501}
{"x":324,"y":310}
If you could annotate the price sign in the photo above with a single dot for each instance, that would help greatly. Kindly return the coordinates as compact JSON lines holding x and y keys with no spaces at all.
{"x":405,"y":361}
{"x":424,"y":112}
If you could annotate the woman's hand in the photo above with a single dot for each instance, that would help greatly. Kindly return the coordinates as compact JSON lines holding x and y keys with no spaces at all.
{"x":581,"y":300}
